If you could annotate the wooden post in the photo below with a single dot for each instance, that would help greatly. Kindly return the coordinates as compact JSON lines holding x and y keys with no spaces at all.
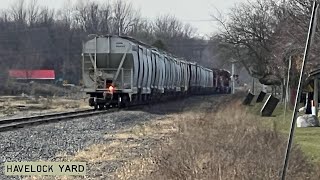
{"x":252,"y":85}
{"x":316,"y":93}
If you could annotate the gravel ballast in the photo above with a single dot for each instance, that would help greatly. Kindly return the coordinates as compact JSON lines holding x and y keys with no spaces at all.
{"x":46,"y":142}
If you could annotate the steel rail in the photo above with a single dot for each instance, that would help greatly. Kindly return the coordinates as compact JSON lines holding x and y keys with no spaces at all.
{"x":19,"y":119}
{"x":14,"y":123}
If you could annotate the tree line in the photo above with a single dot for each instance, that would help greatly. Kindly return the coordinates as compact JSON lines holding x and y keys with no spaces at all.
{"x":264,"y":34}
{"x":37,"y":37}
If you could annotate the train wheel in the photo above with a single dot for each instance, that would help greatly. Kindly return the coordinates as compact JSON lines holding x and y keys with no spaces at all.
{"x":119,"y":101}
{"x":101,"y":106}
{"x":127,"y":100}
{"x":123,"y":101}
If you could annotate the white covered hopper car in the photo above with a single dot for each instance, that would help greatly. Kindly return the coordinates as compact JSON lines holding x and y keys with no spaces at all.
{"x":119,"y":71}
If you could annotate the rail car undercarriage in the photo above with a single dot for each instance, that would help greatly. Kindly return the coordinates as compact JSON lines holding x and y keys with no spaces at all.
{"x":102,"y":100}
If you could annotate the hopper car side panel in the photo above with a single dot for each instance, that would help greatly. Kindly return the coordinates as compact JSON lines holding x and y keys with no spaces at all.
{"x":121,"y":71}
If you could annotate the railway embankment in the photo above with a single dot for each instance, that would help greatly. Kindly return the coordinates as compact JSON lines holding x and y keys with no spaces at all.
{"x":306,"y":138}
{"x":55,"y":141}
{"x":221,"y":142}
{"x":210,"y":137}
{"x":66,"y":139}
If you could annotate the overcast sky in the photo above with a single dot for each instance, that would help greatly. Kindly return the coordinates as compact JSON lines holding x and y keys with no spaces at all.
{"x":195,"y":12}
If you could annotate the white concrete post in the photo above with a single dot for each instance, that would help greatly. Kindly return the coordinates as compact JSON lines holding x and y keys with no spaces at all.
{"x":233,"y":79}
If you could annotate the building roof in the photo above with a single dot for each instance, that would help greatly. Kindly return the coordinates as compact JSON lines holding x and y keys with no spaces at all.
{"x":32,"y":74}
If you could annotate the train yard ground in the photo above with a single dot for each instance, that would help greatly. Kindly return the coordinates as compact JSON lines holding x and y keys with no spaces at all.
{"x":201,"y":137}
{"x":25,"y":106}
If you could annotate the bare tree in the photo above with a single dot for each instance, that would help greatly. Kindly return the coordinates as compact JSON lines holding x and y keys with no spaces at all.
{"x":33,"y":12}
{"x":249,"y":30}
{"x":46,"y":17}
{"x":33,"y":37}
{"x":188,"y":30}
{"x":86,"y":16}
{"x":168,"y":27}
{"x":65,"y":15}
{"x":105,"y":18}
{"x":142,"y":30}
{"x":19,"y":12}
{"x":123,"y":16}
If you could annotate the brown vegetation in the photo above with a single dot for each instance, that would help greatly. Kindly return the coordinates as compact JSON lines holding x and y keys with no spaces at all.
{"x":227,"y":144}
{"x":203,"y":141}
{"x":39,"y":89}
{"x":29,"y":105}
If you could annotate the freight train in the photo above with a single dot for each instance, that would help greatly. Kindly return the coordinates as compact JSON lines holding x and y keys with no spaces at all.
{"x":122,"y":71}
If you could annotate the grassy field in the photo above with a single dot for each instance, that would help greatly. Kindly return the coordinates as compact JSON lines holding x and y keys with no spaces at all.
{"x":306,"y":138}
{"x":214,"y":138}
{"x":219,"y":139}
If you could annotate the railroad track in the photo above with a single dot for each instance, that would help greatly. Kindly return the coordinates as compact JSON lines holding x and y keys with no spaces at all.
{"x":14,"y":123}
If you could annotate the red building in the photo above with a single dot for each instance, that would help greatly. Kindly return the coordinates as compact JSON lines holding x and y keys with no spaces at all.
{"x":38,"y":75}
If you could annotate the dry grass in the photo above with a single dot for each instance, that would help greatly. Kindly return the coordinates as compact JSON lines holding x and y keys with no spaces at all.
{"x":122,"y":146}
{"x":40,"y":97}
{"x":15,"y":105}
{"x":39,"y":89}
{"x":223,"y":145}
{"x":202,"y":142}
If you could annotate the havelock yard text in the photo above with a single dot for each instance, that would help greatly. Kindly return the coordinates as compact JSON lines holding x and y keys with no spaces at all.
{"x":45,"y":168}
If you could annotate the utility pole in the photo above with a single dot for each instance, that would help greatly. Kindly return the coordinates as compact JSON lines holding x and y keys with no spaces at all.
{"x":119,"y":29}
{"x":233,"y":61}
{"x":311,"y":31}
{"x":252,"y":85}
{"x":286,"y":98}
{"x":287,"y":85}
{"x":233,"y":78}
